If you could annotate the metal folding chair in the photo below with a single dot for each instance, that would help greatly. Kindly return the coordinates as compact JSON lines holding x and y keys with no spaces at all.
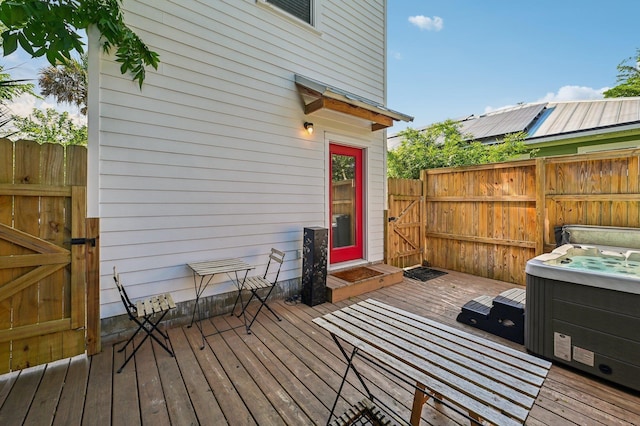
{"x":147,"y":314}
{"x":255,"y":284}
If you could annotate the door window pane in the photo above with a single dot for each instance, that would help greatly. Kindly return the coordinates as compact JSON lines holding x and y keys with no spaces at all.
{"x":343,"y":208}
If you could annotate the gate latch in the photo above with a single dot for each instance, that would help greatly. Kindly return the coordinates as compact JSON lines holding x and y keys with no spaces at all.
{"x":392,"y":219}
{"x":76,"y":241}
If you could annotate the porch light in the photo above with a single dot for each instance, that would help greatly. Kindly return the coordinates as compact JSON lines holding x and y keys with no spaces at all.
{"x":309,"y":127}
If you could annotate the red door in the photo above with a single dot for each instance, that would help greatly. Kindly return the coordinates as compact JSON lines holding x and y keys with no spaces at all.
{"x":346,"y":183}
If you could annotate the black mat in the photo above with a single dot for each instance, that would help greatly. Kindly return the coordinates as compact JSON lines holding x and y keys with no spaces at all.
{"x":423,"y":274}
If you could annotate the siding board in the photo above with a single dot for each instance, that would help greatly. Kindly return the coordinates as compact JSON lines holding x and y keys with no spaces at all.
{"x":209,"y":158}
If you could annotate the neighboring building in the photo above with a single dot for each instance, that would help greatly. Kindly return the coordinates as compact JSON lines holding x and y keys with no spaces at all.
{"x":556,"y":128}
{"x":211,"y":158}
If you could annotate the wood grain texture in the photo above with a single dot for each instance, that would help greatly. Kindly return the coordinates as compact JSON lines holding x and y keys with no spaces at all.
{"x":287,"y":371}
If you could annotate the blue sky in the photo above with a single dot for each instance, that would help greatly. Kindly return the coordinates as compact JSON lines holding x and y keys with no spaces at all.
{"x":20,"y":65}
{"x":451,"y":58}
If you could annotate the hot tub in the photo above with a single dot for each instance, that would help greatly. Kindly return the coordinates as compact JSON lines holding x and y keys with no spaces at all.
{"x":583,"y":303}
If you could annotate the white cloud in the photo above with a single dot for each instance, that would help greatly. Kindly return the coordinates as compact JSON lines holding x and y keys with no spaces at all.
{"x":565,"y":93}
{"x":489,"y":108}
{"x":24,"y":105}
{"x":426,"y":23}
{"x":573,"y":93}
{"x":396,"y":55}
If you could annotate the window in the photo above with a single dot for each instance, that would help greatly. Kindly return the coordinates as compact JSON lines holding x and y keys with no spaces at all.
{"x":301,"y":9}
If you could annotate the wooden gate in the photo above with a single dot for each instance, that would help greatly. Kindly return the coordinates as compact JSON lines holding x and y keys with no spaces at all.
{"x":42,"y":275}
{"x":405,"y":224}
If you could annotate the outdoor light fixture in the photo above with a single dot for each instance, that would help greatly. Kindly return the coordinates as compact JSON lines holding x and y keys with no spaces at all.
{"x":309,"y":127}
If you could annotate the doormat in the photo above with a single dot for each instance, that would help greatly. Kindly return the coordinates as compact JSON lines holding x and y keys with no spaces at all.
{"x":423,"y":274}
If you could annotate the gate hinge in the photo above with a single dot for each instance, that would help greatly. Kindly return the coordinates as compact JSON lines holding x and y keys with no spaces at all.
{"x":76,"y":241}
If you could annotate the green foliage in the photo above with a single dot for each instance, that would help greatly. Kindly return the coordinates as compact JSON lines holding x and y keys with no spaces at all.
{"x":342,"y":167}
{"x":443,"y":145}
{"x":10,"y":89}
{"x":50,"y":28}
{"x":628,"y":78}
{"x":50,"y":126}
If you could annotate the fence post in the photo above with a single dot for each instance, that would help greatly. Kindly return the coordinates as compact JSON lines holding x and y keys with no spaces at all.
{"x":385,"y":230}
{"x":94,"y":342}
{"x":423,"y":215}
{"x":540,"y":205}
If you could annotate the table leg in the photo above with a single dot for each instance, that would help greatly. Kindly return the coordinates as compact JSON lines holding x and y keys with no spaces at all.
{"x":199,"y":289}
{"x":419,"y":398}
{"x":240,"y":287}
{"x":350,"y":366}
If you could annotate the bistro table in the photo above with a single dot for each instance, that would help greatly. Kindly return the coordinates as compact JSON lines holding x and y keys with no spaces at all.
{"x":203,"y":273}
{"x":479,"y":378}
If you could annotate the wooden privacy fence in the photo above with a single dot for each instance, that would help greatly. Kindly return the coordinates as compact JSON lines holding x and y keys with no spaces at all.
{"x":490,"y":220}
{"x":43,"y":277}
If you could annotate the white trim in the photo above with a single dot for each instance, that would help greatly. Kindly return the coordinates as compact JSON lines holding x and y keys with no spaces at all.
{"x":315,"y":15}
{"x":93,"y":122}
{"x":336,"y":139}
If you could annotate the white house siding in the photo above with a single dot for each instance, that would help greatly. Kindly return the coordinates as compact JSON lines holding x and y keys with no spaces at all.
{"x":210,"y":158}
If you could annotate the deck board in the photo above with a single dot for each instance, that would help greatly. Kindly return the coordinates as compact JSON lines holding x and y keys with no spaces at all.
{"x":125,"y":395}
{"x":285,"y":372}
{"x":205,"y":405}
{"x":174,"y":383}
{"x":98,"y":397}
{"x":21,"y":396}
{"x":72,"y":400}
{"x":48,"y":394}
{"x":153,"y":401}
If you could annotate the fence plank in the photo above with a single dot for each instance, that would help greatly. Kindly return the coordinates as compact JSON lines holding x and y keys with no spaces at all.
{"x":24,"y":305}
{"x":6,"y":248}
{"x":490,"y":220}
{"x":52,"y":299}
{"x":78,"y":259}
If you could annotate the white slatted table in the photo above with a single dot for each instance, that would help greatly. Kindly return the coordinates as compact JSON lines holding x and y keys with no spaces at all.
{"x":473,"y":375}
{"x":203,"y":273}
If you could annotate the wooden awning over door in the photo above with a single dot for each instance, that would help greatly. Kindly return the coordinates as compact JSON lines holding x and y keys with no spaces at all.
{"x":317,"y":95}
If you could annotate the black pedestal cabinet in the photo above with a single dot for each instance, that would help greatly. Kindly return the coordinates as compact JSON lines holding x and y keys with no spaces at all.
{"x":314,"y":266}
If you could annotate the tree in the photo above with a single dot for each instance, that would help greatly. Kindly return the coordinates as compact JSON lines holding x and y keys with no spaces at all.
{"x":443,"y":145}
{"x":10,"y":89}
{"x":628,"y":78}
{"x":50,"y":28}
{"x":51,"y":126}
{"x":66,"y":83}
{"x":342,"y":167}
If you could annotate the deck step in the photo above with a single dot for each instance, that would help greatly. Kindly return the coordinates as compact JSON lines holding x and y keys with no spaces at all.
{"x":502,"y":315}
{"x":480,"y":306}
{"x":340,"y":289}
{"x":510,"y":303}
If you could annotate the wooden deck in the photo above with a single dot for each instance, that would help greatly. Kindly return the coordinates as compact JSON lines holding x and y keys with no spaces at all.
{"x":284,"y":373}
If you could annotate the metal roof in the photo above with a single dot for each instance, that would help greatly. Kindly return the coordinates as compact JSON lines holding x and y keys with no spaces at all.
{"x":576,"y":116}
{"x":551,"y":120}
{"x":323,"y":90}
